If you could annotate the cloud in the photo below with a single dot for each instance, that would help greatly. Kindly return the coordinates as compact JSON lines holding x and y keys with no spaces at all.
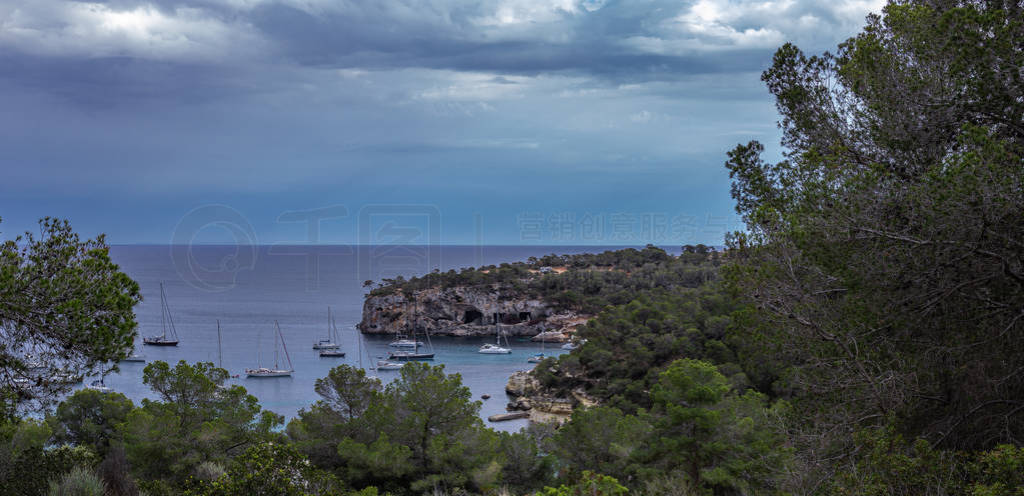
{"x":644,"y":39}
{"x":96,"y":30}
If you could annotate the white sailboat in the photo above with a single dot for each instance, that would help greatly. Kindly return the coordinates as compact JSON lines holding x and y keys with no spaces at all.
{"x":572,"y":345}
{"x":327,"y":344}
{"x":414,"y":355}
{"x":165,"y":318}
{"x":277,"y":371}
{"x":332,"y":336}
{"x":98,"y":385}
{"x":538,"y":357}
{"x":386,"y":365}
{"x":135,"y":357}
{"x":496,"y":348}
{"x":401,"y":341}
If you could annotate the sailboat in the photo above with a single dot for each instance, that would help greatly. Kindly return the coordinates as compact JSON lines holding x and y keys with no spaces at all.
{"x":401,"y":341}
{"x":381,"y":364}
{"x":135,"y":357}
{"x":572,"y":345}
{"x":98,"y":385}
{"x":496,"y":348}
{"x":220,"y":355}
{"x":539,"y":357}
{"x":277,"y":371}
{"x":332,"y":335}
{"x":165,"y":319}
{"x":386,"y":365}
{"x":327,"y":344}
{"x":405,"y":355}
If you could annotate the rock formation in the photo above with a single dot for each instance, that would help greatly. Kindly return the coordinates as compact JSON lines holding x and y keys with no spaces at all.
{"x":466,"y":311}
{"x":528,"y":395}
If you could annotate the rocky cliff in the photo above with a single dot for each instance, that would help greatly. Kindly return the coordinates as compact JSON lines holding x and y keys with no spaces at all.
{"x":529,"y":396}
{"x":467,"y":311}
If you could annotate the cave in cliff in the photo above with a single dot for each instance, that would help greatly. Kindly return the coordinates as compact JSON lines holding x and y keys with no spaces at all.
{"x":473,"y":316}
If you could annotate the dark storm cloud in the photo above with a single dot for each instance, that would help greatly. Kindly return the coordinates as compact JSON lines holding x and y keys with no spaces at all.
{"x":586,"y":43}
{"x":194,"y":48}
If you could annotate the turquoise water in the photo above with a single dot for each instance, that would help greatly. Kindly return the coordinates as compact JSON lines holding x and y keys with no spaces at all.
{"x":248,"y":288}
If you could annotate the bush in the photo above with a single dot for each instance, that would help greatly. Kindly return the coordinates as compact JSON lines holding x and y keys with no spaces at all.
{"x":590,"y":484}
{"x":78,"y":482}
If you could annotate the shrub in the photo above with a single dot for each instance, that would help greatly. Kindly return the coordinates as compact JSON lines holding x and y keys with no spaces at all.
{"x":78,"y":482}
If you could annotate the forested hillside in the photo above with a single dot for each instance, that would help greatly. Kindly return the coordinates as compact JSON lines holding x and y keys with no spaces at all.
{"x":587,"y":283}
{"x":864,"y":335}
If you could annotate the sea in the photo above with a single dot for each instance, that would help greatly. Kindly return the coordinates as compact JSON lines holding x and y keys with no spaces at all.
{"x":249,"y":289}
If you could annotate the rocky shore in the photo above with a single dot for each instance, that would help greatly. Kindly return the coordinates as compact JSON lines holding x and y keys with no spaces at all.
{"x":468,"y":311}
{"x":529,"y":396}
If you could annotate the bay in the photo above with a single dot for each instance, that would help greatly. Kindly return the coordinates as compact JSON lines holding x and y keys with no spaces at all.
{"x":248,"y":288}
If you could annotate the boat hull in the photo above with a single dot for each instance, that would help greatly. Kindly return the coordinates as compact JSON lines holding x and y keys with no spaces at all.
{"x":490,"y":349}
{"x":405,"y":344}
{"x":99,"y":386}
{"x":410,"y":356}
{"x":332,"y":354}
{"x":158,"y":342}
{"x":268,"y":373}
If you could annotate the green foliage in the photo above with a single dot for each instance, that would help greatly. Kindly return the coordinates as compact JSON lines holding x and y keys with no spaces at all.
{"x":628,"y":345}
{"x":200,"y":419}
{"x":601,"y":439}
{"x":700,"y":435}
{"x":589,"y":484}
{"x":883,"y":253}
{"x":78,"y":482}
{"x":346,"y":395}
{"x":89,"y":418}
{"x":419,"y":432}
{"x":590,"y":283}
{"x":999,"y":472}
{"x":267,"y":469}
{"x":428,"y":413}
{"x":887,"y":464}
{"x":711,"y":436}
{"x":523,"y":465}
{"x":65,"y":308}
{"x":27,"y":466}
{"x":347,"y":390}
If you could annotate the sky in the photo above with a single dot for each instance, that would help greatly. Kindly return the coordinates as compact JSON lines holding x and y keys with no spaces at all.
{"x":571,"y":122}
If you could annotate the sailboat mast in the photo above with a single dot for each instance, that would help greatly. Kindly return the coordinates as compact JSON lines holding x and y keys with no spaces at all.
{"x":163,"y":313}
{"x":259,"y":349}
{"x":415,"y":317}
{"x":220,"y":357}
{"x":167,"y":308}
{"x":284,"y":346}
